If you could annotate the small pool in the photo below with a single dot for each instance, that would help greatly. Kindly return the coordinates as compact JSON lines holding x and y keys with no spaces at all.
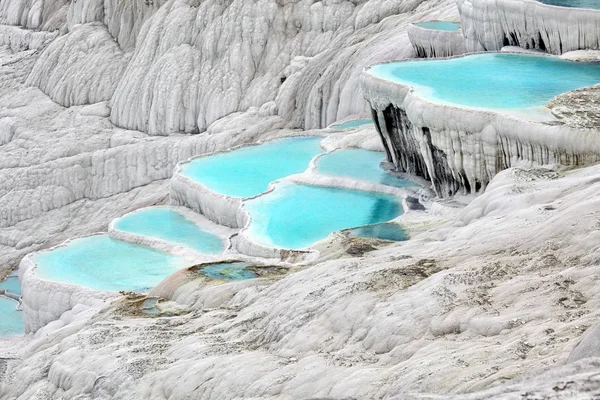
{"x":231,"y":271}
{"x":167,"y":224}
{"x":439,"y":25}
{"x":354,"y":123}
{"x":102,"y":263}
{"x":11,"y":320}
{"x":248,"y":171}
{"x":11,"y":284}
{"x":296,"y":216}
{"x":492,"y":81}
{"x":385,"y":231}
{"x":594,"y":4}
{"x":359,"y":164}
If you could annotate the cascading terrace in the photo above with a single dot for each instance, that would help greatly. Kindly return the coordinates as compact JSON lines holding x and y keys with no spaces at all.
{"x":234,"y":216}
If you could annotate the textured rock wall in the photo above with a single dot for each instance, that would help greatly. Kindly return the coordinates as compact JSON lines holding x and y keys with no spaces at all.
{"x":178,"y":66}
{"x":493,"y":24}
{"x":431,"y":43}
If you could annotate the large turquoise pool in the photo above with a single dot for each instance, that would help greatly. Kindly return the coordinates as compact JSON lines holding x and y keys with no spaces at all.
{"x":439,"y":25}
{"x":167,"y":224}
{"x":11,"y":320}
{"x":102,"y":263}
{"x":248,"y":171}
{"x":359,"y":164}
{"x":492,"y":81}
{"x":353,"y":123}
{"x":296,"y":216}
{"x":595,"y":4}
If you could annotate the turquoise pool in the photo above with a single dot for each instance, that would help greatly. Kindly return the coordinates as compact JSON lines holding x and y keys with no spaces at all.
{"x":354,"y":123}
{"x":11,"y":320}
{"x":233,"y":271}
{"x":594,"y":4}
{"x":11,"y":284}
{"x":248,"y":171}
{"x":296,"y":216}
{"x":439,"y":25}
{"x":492,"y":81}
{"x":102,"y":263}
{"x":359,"y":164}
{"x":167,"y":224}
{"x":385,"y":231}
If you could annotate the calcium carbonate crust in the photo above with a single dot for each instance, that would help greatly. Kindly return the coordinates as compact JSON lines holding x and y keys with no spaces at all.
{"x":433,"y":43}
{"x":492,"y":24}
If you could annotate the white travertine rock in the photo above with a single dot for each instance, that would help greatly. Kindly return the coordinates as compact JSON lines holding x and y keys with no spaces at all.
{"x":47,"y":15}
{"x":81,"y":67}
{"x":493,"y":24}
{"x":432,"y":43}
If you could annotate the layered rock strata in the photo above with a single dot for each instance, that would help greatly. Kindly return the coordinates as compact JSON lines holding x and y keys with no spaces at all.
{"x":432,"y":43}
{"x":493,"y":24}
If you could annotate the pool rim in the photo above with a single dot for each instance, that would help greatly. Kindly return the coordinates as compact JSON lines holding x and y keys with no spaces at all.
{"x":416,"y":25}
{"x":173,"y":248}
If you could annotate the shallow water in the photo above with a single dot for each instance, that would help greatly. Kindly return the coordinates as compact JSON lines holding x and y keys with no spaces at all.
{"x":595,"y":4}
{"x":248,"y":171}
{"x":439,"y":25}
{"x":296,"y":216}
{"x":354,"y":123}
{"x":492,"y":81}
{"x":234,"y":271}
{"x":359,"y":164}
{"x":389,"y":231}
{"x":11,"y":320}
{"x":167,"y":224}
{"x":11,"y":284}
{"x":102,"y":263}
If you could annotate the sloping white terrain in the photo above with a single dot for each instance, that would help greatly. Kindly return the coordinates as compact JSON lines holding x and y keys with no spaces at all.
{"x":98,"y":105}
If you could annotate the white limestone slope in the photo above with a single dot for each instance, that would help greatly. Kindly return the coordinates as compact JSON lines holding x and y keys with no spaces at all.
{"x":493,"y":24}
{"x":505,"y":289}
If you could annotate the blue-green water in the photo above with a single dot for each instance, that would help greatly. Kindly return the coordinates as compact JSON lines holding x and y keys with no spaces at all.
{"x":248,"y":171}
{"x":167,"y":224}
{"x":296,"y":216}
{"x":234,"y":271}
{"x":439,"y":25}
{"x":386,"y":231}
{"x":492,"y":81}
{"x":354,"y":123}
{"x":595,"y":4}
{"x":102,"y":263}
{"x":11,"y":284}
{"x":11,"y":320}
{"x":359,"y":164}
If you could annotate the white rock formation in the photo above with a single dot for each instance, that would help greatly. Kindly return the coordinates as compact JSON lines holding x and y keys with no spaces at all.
{"x":493,"y":24}
{"x":432,"y":43}
{"x":505,"y":288}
